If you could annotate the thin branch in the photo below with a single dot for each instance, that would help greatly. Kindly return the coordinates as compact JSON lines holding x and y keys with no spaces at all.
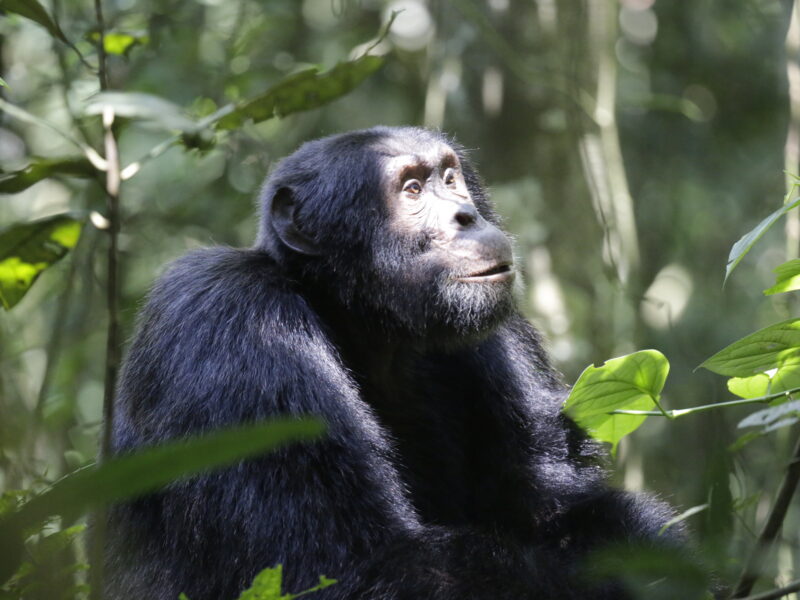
{"x":54,"y":345}
{"x":755,"y":562}
{"x":113,"y":181}
{"x":98,"y":162}
{"x":102,"y":73}
{"x":113,"y":357}
{"x":680,"y":412}
{"x":777,"y":593}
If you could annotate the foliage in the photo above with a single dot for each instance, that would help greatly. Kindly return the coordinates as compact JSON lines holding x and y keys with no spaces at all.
{"x":611,"y":401}
{"x":520,"y":83}
{"x":37,"y":558}
{"x":629,"y":382}
{"x":27,"y":249}
{"x":267,"y":586}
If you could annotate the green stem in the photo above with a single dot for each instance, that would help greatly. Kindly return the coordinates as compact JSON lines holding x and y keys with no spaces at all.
{"x":679,"y":412}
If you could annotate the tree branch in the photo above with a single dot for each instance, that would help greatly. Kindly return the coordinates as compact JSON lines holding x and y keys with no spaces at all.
{"x":113,"y":357}
{"x":777,"y":593}
{"x":755,"y":562}
{"x":680,"y":412}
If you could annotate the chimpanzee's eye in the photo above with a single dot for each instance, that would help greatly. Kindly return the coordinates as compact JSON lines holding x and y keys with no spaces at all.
{"x":413,"y":187}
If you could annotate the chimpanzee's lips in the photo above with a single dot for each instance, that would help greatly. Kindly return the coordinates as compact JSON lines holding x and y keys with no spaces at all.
{"x":497,"y":273}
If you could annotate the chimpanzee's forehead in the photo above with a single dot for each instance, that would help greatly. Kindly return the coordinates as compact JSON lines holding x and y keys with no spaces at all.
{"x":427,"y":150}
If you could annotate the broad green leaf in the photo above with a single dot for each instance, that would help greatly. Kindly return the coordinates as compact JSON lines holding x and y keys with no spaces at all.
{"x":146,"y":107}
{"x":773,"y":417}
{"x":749,"y":387}
{"x":785,"y":378}
{"x":266,"y":585}
{"x":788,"y":278}
{"x":147,"y":470}
{"x":3,"y":82}
{"x":773,"y":347}
{"x":31,"y":9}
{"x":302,"y":91}
{"x":747,"y":241}
{"x":768,"y":419}
{"x":122,"y":43}
{"x":41,"y":168}
{"x":27,"y":249}
{"x":119,"y":43}
{"x":632,"y":382}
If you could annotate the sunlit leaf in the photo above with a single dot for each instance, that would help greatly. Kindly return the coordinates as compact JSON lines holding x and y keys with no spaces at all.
{"x":266,"y":585}
{"x":632,"y":382}
{"x":301,"y":91}
{"x":3,"y":82}
{"x":787,"y":278}
{"x":147,"y":470}
{"x":145,"y":107}
{"x":33,"y":10}
{"x":41,"y":168}
{"x":119,"y":43}
{"x":746,"y":242}
{"x":780,"y":380}
{"x":773,"y":347}
{"x":27,"y":249}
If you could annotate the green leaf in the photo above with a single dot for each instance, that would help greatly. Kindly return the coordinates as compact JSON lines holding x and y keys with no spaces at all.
{"x":265,"y":586}
{"x":3,"y":82}
{"x":743,"y":440}
{"x":785,"y":378}
{"x":27,"y":249}
{"x":323,"y":583}
{"x":119,"y":43}
{"x":773,"y":347}
{"x":122,"y":43}
{"x":632,"y":382}
{"x":31,"y":9}
{"x":788,"y":278}
{"x":146,"y":107}
{"x":302,"y":91}
{"x":147,"y":470}
{"x":769,"y":419}
{"x":650,"y":571}
{"x":41,"y":168}
{"x":746,"y":242}
{"x":773,"y":417}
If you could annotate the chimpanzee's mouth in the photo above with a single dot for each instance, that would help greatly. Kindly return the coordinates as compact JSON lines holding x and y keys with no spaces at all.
{"x":499,"y":272}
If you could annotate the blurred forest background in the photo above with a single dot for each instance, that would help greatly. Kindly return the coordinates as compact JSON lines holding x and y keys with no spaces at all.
{"x":627,"y":144}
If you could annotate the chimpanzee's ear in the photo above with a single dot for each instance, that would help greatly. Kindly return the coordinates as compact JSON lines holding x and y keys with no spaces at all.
{"x":282,"y":220}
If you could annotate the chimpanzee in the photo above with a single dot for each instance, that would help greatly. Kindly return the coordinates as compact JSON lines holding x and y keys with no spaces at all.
{"x":378,"y":296}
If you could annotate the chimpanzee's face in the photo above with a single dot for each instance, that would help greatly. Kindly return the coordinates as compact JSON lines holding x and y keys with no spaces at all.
{"x":393,"y":225}
{"x":452,"y":269}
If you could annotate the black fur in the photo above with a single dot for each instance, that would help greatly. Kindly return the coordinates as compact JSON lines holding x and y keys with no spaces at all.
{"x":451,"y":475}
